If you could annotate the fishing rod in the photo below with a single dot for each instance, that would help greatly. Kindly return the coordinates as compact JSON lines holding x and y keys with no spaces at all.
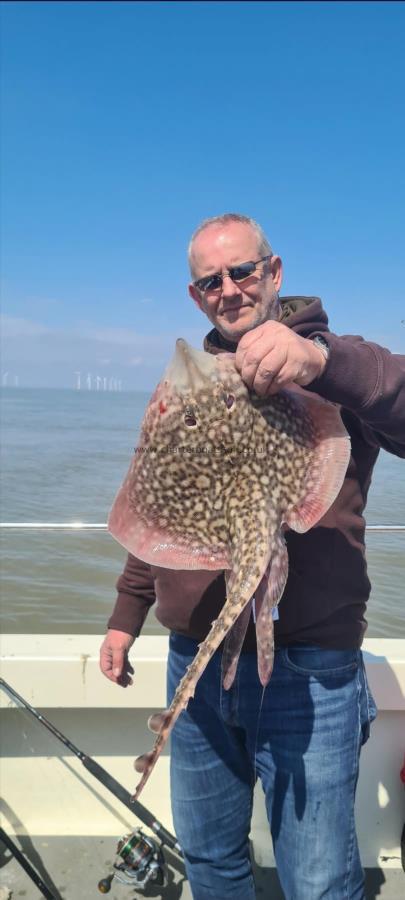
{"x":28,"y":868}
{"x":142,"y":858}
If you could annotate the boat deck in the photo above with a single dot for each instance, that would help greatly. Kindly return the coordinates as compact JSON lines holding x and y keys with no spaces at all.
{"x":47,"y":791}
{"x":72,"y":868}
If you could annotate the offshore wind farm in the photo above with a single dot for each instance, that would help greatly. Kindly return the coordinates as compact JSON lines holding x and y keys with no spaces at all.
{"x":97,"y":382}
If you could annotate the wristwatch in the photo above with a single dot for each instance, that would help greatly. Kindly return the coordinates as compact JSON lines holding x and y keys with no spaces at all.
{"x":322,"y":345}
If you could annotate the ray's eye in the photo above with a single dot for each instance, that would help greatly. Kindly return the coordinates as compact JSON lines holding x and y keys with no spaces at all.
{"x":189,"y":417}
{"x":229,"y":400}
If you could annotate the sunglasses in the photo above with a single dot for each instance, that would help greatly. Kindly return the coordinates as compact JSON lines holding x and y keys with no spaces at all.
{"x":236,"y":273}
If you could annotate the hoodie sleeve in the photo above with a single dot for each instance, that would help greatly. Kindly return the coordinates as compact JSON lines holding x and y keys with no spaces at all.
{"x":370,"y":381}
{"x":136,"y":595}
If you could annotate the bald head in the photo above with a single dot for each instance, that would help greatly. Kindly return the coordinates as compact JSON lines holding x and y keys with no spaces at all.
{"x":218,"y":223}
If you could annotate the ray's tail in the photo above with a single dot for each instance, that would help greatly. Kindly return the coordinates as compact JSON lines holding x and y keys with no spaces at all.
{"x":164,"y":722}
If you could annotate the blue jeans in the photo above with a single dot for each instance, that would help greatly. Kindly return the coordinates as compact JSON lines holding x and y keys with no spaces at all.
{"x":301,"y":736}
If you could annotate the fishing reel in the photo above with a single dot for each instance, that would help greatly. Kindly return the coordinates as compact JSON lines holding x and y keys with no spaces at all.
{"x":140,"y":861}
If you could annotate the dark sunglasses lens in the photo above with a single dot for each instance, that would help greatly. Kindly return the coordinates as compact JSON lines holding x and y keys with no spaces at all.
{"x":210,"y":283}
{"x":240,"y":272}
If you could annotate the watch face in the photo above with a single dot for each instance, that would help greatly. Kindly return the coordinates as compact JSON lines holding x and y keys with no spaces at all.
{"x":322,"y":345}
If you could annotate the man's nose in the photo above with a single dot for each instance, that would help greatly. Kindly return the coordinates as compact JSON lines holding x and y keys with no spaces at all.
{"x":229,"y":287}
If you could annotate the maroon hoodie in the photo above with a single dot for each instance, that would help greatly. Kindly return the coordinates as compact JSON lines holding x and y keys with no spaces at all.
{"x":325,"y":597}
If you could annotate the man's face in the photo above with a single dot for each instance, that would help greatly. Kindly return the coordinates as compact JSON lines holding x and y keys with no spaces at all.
{"x":235,"y":307}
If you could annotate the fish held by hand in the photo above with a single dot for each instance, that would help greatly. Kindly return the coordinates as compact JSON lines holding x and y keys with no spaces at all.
{"x":218,"y":475}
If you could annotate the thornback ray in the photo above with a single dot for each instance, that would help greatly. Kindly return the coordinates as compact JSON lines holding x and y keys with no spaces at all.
{"x":217,"y":476}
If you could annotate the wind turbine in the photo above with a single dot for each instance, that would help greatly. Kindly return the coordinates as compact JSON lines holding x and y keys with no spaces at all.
{"x":77,"y":381}
{"x":98,"y":382}
{"x":5,"y":376}
{"x":88,"y":381}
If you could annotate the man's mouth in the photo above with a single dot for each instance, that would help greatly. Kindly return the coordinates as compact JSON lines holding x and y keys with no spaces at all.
{"x":231,"y":309}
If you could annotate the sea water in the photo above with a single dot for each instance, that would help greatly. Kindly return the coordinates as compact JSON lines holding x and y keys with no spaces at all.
{"x":64,"y":454}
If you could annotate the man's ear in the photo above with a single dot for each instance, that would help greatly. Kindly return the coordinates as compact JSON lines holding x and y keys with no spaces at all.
{"x":276,"y":268}
{"x":195,"y":294}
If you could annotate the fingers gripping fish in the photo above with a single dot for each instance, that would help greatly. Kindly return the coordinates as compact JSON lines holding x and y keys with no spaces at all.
{"x":216,"y":477}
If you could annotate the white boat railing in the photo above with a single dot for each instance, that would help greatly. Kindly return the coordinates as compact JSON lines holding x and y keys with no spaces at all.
{"x":102,"y":526}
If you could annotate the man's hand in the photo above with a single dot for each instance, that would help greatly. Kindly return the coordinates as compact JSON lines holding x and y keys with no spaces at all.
{"x":272,"y":355}
{"x":114,"y":662}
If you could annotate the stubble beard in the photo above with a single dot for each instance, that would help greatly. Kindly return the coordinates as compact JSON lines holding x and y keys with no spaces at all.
{"x":272,"y":312}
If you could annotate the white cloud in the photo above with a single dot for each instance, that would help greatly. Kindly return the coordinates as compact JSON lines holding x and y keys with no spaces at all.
{"x":49,"y":356}
{"x":11,"y":327}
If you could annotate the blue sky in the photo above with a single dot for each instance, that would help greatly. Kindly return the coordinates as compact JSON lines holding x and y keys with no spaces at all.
{"x":125,"y":124}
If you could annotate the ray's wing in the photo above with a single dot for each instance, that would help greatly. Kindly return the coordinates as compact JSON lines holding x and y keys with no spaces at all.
{"x":152,"y":533}
{"x":163,"y":512}
{"x":327,"y":466}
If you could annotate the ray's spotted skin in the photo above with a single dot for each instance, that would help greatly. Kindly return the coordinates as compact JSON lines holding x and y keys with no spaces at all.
{"x":217,"y":475}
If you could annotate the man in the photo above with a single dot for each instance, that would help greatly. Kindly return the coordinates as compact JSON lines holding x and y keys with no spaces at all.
{"x":301,"y":735}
